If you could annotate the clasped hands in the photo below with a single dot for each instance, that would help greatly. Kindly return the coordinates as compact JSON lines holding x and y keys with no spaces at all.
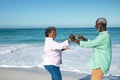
{"x":73,"y":38}
{"x":80,"y":37}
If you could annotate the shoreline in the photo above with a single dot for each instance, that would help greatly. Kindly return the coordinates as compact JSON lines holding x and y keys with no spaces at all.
{"x":37,"y":73}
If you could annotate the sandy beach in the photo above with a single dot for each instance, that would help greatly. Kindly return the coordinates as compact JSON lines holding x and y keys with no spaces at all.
{"x":30,"y":74}
{"x":42,"y":74}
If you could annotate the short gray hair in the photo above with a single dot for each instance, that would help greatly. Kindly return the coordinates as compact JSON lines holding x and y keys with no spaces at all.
{"x":102,"y":21}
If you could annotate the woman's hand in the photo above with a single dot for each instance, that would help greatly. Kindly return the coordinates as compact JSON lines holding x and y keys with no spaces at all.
{"x":72,"y":37}
{"x":66,"y":48}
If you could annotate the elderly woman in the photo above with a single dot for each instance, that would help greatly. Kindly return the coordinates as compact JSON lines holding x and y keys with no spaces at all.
{"x":53,"y":53}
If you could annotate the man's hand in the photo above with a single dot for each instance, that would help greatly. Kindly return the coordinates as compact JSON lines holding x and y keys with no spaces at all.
{"x":82,"y":38}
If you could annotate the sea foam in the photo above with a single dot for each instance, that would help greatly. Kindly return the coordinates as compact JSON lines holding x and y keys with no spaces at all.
{"x":74,"y":59}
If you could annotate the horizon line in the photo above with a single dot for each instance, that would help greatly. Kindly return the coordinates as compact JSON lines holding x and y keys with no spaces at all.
{"x":57,"y":26}
{"x":46,"y":27}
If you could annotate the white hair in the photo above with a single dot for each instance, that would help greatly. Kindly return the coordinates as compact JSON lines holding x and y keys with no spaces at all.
{"x":102,"y":20}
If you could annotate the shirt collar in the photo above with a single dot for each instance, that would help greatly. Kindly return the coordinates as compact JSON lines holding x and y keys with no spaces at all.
{"x":103,"y":32}
{"x":49,"y":38}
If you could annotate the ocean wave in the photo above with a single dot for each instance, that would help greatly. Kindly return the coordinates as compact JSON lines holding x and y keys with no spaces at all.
{"x":13,"y":66}
{"x":74,"y":59}
{"x":7,"y":49}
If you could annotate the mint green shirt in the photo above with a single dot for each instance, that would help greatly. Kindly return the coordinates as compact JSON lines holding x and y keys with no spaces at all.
{"x":102,"y":53}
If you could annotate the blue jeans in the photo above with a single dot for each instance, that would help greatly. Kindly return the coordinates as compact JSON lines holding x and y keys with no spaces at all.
{"x":54,"y":71}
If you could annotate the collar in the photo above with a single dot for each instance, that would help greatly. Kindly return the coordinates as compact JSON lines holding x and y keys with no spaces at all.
{"x":103,"y":32}
{"x":49,"y":38}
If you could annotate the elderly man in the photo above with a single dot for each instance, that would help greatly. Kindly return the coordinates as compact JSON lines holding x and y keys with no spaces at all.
{"x":101,"y":59}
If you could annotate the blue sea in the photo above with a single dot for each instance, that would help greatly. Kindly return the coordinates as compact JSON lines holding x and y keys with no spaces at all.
{"x":24,"y":48}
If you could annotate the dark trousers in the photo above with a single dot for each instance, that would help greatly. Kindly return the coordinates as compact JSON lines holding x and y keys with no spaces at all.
{"x":54,"y":71}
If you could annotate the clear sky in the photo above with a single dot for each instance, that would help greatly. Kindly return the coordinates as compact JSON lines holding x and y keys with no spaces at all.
{"x":59,"y":13}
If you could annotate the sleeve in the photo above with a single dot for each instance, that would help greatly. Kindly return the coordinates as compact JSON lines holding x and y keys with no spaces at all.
{"x":92,"y":43}
{"x":59,"y":46}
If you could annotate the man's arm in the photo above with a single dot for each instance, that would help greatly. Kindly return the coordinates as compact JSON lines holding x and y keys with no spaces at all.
{"x":93,"y":43}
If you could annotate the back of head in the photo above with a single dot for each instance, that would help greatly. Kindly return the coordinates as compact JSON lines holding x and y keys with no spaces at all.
{"x":102,"y":21}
